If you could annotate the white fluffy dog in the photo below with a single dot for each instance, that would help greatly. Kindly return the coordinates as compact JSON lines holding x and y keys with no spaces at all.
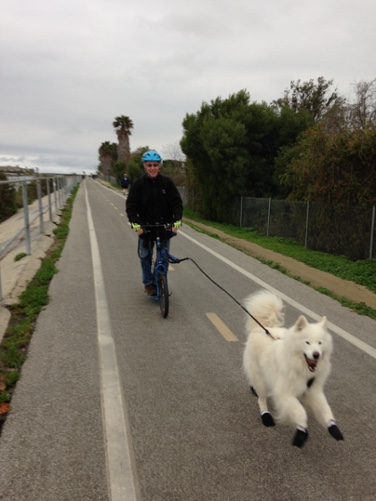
{"x":288,"y":365}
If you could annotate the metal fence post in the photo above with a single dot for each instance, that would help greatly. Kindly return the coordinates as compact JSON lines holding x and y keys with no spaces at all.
{"x":268,"y":222}
{"x":55,"y":194}
{"x":372,"y":232}
{"x":49,"y":198}
{"x":241,"y":212}
{"x":40,"y":205}
{"x":306,"y":227}
{"x":59,"y":192}
{"x":26,"y":217}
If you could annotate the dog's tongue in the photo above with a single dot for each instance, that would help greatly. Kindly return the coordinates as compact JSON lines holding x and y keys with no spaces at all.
{"x":311,"y":364}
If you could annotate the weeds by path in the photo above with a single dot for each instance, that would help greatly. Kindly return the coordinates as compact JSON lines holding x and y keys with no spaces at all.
{"x":24,"y":314}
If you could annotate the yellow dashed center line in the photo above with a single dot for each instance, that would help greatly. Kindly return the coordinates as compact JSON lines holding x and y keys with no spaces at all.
{"x":222,"y":327}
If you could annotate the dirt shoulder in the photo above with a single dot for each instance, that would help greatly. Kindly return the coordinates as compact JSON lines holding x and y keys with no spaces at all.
{"x":316,"y":278}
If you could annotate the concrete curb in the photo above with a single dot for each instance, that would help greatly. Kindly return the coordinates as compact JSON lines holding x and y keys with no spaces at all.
{"x":16,"y":275}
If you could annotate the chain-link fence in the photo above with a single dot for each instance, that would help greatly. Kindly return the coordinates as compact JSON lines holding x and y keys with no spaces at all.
{"x":339,"y":230}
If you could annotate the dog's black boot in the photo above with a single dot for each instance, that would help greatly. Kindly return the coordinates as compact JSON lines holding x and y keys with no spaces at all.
{"x":300,"y":437}
{"x":253,"y":391}
{"x":335,"y":432}
{"x":267,"y":419}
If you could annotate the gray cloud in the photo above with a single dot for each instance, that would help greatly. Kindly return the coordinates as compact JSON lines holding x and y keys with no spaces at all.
{"x":68,"y":68}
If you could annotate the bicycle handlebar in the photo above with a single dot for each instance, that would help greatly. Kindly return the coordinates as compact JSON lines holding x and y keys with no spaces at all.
{"x":149,"y":228}
{"x":156,"y":226}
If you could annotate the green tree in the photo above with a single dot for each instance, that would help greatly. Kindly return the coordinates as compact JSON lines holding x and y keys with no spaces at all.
{"x":334,"y":160}
{"x":231,"y":147}
{"x":107,"y":157}
{"x":215,"y":141}
{"x":334,"y":168}
{"x":123,"y":126}
{"x":118,"y":170}
{"x":263,"y":125}
{"x":310,"y":96}
{"x":135,"y":168}
{"x":290,"y":125}
{"x":302,"y":106}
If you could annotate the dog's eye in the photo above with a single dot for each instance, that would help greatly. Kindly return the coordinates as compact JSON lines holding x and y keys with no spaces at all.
{"x":307,"y":342}
{"x":320,"y":342}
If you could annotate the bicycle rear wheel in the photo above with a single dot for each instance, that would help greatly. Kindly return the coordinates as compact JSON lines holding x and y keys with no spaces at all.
{"x":163,"y":295}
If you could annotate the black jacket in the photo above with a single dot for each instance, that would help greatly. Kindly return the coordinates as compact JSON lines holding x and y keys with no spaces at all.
{"x":154,"y":200}
{"x":124,"y":182}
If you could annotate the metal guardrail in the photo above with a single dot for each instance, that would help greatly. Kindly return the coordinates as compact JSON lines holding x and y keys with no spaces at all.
{"x":58,"y":189}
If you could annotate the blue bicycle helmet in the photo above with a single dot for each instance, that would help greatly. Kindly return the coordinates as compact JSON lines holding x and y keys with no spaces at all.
{"x":151,"y":156}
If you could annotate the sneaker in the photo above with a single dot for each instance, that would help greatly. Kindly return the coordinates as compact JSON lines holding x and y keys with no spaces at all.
{"x":151,"y":289}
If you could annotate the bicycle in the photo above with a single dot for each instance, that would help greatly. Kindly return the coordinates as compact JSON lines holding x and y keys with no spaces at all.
{"x":160,"y":261}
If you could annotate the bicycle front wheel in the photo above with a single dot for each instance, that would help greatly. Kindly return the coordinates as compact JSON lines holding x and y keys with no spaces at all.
{"x":163,"y":295}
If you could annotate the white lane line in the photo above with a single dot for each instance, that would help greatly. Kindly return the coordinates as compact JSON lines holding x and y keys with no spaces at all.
{"x":122,"y":479}
{"x":340,"y":332}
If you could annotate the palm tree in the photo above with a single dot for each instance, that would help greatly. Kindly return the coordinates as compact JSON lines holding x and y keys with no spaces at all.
{"x":123,"y":126}
{"x":107,"y":156}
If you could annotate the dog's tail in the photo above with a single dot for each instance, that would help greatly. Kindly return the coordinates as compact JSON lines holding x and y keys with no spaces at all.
{"x":266,"y":307}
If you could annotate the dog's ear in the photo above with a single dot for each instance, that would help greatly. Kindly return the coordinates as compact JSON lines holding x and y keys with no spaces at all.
{"x":323,"y":322}
{"x":301,"y":323}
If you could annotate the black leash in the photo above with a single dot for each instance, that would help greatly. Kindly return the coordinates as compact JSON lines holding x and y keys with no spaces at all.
{"x":173,"y":259}
{"x":309,"y":382}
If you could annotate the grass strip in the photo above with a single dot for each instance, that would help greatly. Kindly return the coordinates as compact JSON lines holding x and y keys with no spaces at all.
{"x":24,"y":314}
{"x":362,"y":272}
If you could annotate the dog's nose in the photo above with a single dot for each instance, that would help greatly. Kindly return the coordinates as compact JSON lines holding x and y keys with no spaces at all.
{"x":316,"y":355}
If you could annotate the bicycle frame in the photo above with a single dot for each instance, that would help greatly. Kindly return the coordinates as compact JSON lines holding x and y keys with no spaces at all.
{"x":160,"y":265}
{"x":159,"y":259}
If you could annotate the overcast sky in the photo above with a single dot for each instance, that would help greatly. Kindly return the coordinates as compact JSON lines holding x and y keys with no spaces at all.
{"x":69,"y":67}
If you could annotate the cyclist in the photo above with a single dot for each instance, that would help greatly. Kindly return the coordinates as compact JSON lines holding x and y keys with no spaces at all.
{"x":153,"y":198}
{"x":125,"y":183}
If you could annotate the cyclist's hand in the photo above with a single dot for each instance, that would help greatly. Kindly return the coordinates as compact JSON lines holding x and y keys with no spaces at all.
{"x":176,"y":225}
{"x":137,"y":228}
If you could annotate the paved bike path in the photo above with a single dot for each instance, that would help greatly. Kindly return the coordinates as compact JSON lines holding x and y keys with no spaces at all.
{"x":52,"y":446}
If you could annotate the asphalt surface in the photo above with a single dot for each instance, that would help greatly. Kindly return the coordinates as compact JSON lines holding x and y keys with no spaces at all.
{"x":185,"y":426}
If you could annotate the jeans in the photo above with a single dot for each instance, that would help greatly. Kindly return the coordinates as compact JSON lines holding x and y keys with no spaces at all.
{"x":145,"y":254}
